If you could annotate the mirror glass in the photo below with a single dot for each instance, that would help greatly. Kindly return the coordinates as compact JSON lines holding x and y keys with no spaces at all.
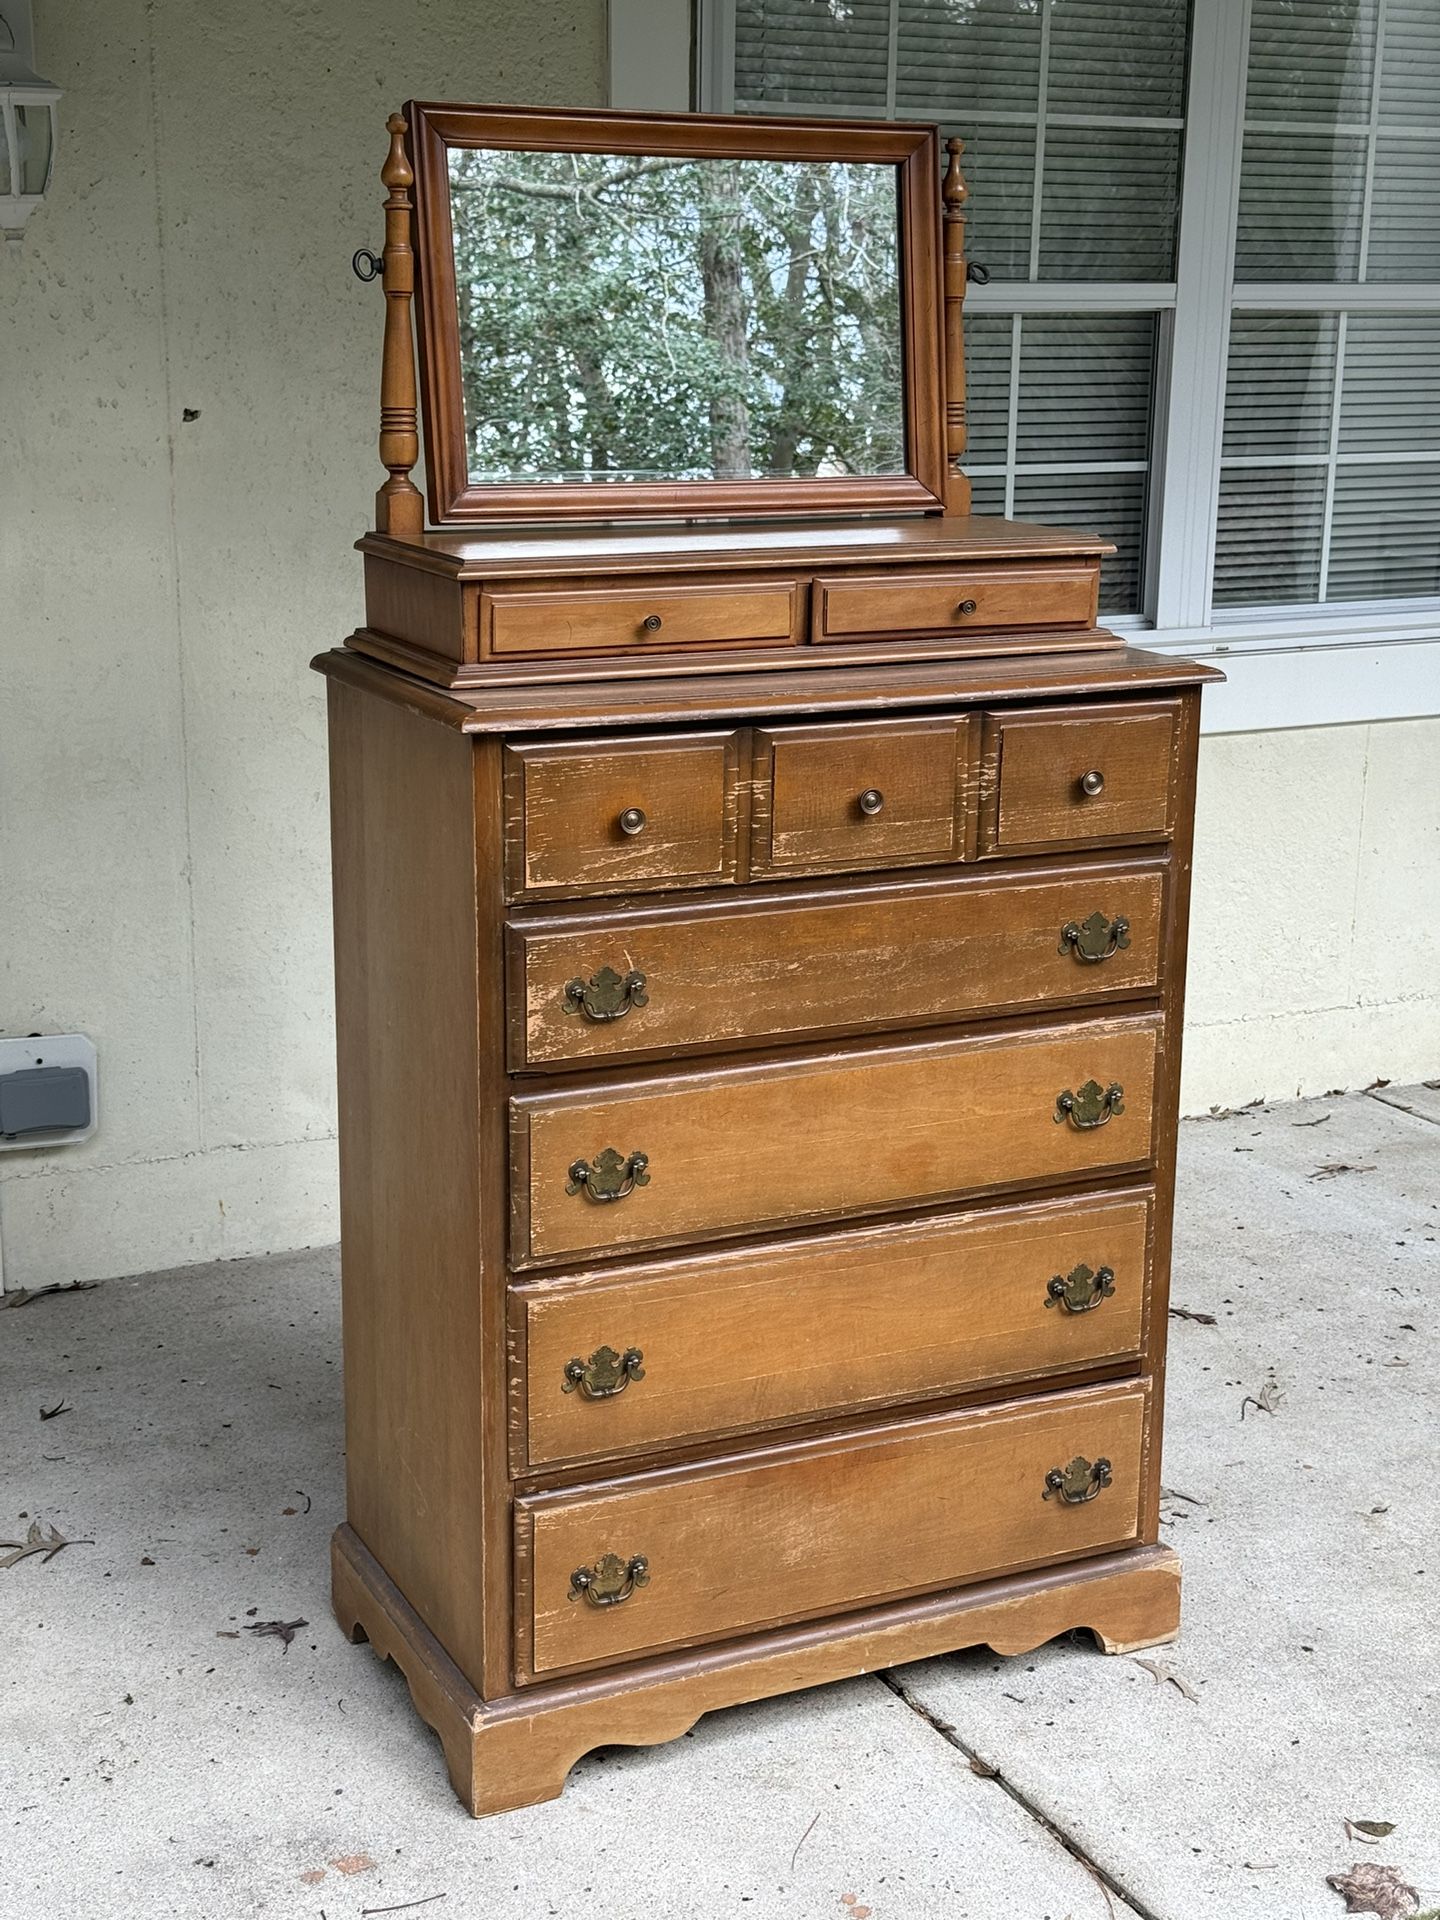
{"x":633,"y":318}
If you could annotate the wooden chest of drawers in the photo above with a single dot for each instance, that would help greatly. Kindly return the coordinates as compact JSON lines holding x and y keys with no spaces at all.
{"x":758,"y":1096}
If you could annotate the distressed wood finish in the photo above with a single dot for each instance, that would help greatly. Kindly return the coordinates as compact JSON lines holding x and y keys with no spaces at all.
{"x":963,"y":601}
{"x":1038,"y":765}
{"x":872,"y":794}
{"x":517,"y":1750}
{"x":651,"y":614}
{"x":749,"y":1339}
{"x":740,"y":1148}
{"x":760,"y":1540}
{"x":607,"y":816}
{"x":884,"y":995}
{"x":846,"y":959}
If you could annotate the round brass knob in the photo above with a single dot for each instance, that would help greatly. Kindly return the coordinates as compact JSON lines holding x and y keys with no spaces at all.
{"x":966,"y":606}
{"x":871,"y":801}
{"x":652,"y":623}
{"x":632,"y":820}
{"x":1092,"y":782}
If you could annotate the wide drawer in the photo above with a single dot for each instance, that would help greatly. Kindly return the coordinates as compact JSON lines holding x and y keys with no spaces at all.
{"x":655,"y":615}
{"x":621,"y":814}
{"x":967,"y":600}
{"x":678,"y":979}
{"x":695,"y":1155}
{"x":822,"y":1528}
{"x":1074,"y":776}
{"x":729,"y":1342}
{"x":870,"y":793}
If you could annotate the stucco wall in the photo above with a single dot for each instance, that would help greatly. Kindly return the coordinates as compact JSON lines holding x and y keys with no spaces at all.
{"x":164,"y":583}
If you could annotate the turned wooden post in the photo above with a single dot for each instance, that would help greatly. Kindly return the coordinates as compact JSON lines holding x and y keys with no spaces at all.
{"x":952,"y":198}
{"x":399,"y":505}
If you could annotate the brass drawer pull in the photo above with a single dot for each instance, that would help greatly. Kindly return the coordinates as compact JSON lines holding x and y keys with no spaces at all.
{"x":1093,"y":782}
{"x":604,"y":1374}
{"x":611,"y":1581}
{"x":652,"y":623}
{"x":871,"y":801}
{"x":1095,"y":939}
{"x":632,"y":820}
{"x":607,"y":995}
{"x":611,"y":1177}
{"x":966,"y":606}
{"x":1079,"y":1291}
{"x":1091,"y":1107}
{"x":1078,"y":1482}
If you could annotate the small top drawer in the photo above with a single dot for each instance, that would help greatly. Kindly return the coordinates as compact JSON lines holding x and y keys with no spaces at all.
{"x":1074,"y":776}
{"x":883,"y":793}
{"x":621,"y":815}
{"x":517,"y":621}
{"x":968,"y":599}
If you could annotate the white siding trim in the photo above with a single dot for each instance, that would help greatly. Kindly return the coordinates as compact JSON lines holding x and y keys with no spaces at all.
{"x":650,"y":54}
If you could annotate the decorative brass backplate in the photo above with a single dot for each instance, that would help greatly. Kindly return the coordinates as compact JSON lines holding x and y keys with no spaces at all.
{"x":606,"y":995}
{"x":1095,"y":939}
{"x":611,"y":1177}
{"x":611,"y":1581}
{"x":604,"y":1374}
{"x":1091,"y":1107}
{"x":1078,"y":1291}
{"x":1078,"y":1482}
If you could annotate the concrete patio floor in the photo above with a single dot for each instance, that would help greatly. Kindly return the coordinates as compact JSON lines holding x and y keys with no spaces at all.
{"x":153,"y":1763}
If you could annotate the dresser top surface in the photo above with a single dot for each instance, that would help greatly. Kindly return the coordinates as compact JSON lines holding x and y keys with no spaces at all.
{"x":565,"y":706}
{"x":475,"y":555}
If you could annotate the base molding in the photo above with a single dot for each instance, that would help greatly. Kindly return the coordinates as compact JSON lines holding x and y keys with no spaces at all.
{"x":516,"y":1751}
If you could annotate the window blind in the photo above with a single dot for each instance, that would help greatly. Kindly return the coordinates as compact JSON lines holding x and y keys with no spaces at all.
{"x":1330,"y":485}
{"x":1072,"y":118}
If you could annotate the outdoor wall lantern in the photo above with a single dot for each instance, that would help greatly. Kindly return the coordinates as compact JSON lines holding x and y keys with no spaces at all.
{"x":27,"y":122}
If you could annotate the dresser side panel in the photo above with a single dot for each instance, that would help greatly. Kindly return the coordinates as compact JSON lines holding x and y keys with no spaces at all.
{"x":403,"y":834}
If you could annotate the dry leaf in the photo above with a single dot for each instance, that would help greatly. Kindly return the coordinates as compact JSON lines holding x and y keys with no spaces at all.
{"x":1334,"y":1167}
{"x":1369,"y":1829}
{"x":1163,"y":1673}
{"x":22,"y":1296}
{"x":1189,"y":1313}
{"x":313,"y":1877}
{"x":36,"y":1541}
{"x":222,"y":1634}
{"x":1174,"y":1493}
{"x":982,"y":1767}
{"x":1312,"y":1123}
{"x":52,"y":1413}
{"x":1372,"y":1889}
{"x":281,"y":1630}
{"x":1266,"y":1401}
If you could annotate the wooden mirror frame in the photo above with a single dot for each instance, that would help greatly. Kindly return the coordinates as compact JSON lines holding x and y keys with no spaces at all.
{"x":930,"y":429}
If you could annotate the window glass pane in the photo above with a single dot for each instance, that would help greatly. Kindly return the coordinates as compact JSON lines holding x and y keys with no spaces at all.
{"x":1410,"y":80}
{"x":1085,"y":387}
{"x":1109,"y":203}
{"x":1391,"y":391}
{"x":1269,"y":536}
{"x":1112,"y":58}
{"x":1311,"y":59}
{"x":1302,"y":197}
{"x":812,"y":56}
{"x":1112,"y":504}
{"x":1385,"y":540}
{"x":987,"y":387}
{"x":954,"y":56}
{"x":1405,"y":210}
{"x":1281,"y":384}
{"x":987,"y":494}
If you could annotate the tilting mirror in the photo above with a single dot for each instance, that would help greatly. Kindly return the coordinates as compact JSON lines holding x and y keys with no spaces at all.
{"x":696,"y":315}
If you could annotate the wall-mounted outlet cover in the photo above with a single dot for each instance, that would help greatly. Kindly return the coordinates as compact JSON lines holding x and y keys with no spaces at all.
{"x":49,"y":1091}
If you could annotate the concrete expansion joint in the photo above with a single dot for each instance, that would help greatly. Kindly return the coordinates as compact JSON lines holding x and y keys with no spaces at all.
{"x":1112,"y":1888}
{"x":1399,"y":1105}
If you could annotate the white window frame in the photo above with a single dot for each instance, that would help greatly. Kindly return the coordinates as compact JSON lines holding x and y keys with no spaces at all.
{"x":1288,"y":667}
